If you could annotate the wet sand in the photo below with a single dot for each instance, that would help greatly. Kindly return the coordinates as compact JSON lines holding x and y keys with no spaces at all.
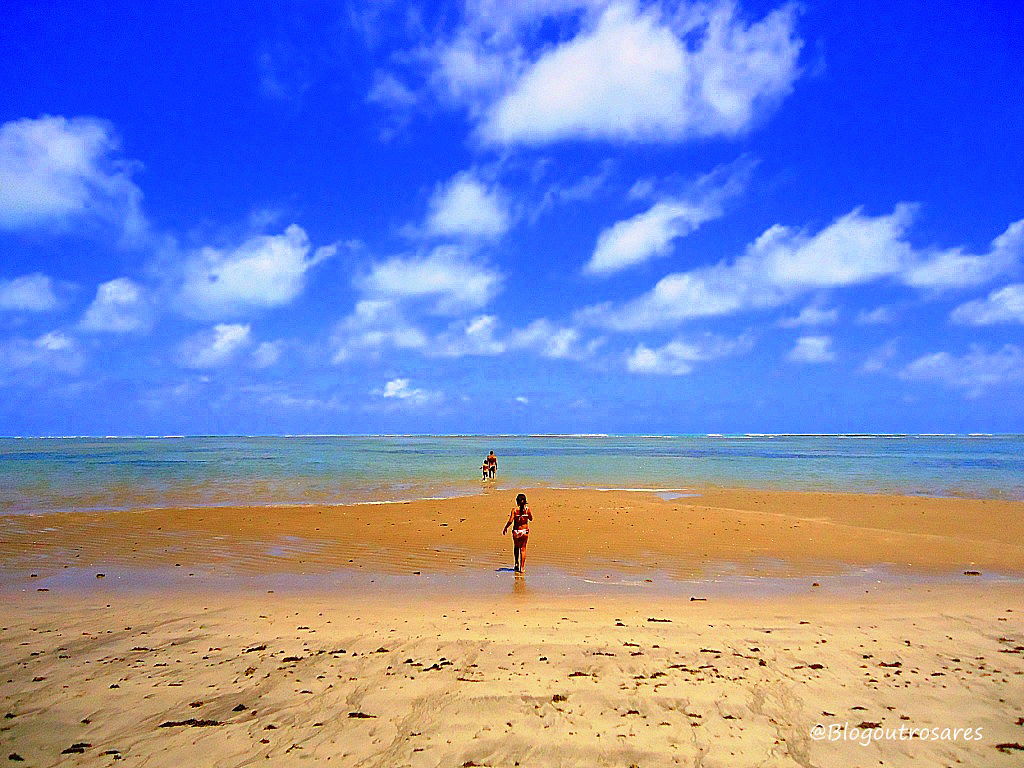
{"x":756,"y":533}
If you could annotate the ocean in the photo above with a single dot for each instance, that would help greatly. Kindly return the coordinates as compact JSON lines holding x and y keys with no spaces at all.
{"x":88,"y":473}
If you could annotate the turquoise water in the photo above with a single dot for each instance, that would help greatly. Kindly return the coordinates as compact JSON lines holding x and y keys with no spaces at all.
{"x":51,"y":474}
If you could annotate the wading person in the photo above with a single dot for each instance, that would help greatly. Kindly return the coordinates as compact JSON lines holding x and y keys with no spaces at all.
{"x":492,"y":465}
{"x":519,"y":518}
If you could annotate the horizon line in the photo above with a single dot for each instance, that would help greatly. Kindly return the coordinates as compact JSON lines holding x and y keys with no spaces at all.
{"x":507,"y":435}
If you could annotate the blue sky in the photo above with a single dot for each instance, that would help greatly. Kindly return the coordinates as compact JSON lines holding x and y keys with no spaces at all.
{"x":542,"y":216}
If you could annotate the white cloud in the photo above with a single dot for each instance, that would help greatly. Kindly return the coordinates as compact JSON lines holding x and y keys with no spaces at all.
{"x":951,"y":268}
{"x":784,"y":263}
{"x":632,"y":77}
{"x":879,"y":359}
{"x":472,"y":337}
{"x":468,"y":71}
{"x":120,"y":306}
{"x":399,"y":389}
{"x":522,"y":400}
{"x":390,"y":91}
{"x":450,"y":277}
{"x":811,"y":315}
{"x":877,"y":316}
{"x":1003,"y":305}
{"x":264,"y":271}
{"x":651,"y":233}
{"x":646,"y":235}
{"x":56,"y":171}
{"x":812,"y":349}
{"x":267,"y":354}
{"x":215,"y":346}
{"x":54,"y":351}
{"x":677,"y":357}
{"x":373,"y":326}
{"x":583,"y":188}
{"x":467,"y":207}
{"x":552,"y":341}
{"x":973,"y":372}
{"x":28,"y":293}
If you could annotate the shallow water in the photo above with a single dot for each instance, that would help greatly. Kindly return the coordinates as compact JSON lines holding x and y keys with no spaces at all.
{"x":718,"y":581}
{"x":52,"y":474}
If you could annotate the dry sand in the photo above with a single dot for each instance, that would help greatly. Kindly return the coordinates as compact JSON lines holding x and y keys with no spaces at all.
{"x":133,"y":671}
{"x":519,"y":680}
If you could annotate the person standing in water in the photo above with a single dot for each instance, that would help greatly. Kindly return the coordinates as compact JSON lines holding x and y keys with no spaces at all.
{"x":492,"y":465}
{"x":519,"y":518}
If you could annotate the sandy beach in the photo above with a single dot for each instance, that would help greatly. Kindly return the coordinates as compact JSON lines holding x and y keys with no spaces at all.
{"x":211,"y":680}
{"x":393,"y":635}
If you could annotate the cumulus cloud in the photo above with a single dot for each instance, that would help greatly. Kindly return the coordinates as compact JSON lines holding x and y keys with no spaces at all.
{"x":1003,"y":305}
{"x":465,"y":206}
{"x":120,"y":306}
{"x":54,"y":351}
{"x":812,"y":349}
{"x":373,"y":326}
{"x":974,"y":372}
{"x":215,"y":346}
{"x":449,"y":277}
{"x":632,"y":76}
{"x":58,"y":171}
{"x":28,"y":293}
{"x":784,"y":263}
{"x":677,"y":357}
{"x":264,"y":271}
{"x":812,"y":315}
{"x":401,"y":390}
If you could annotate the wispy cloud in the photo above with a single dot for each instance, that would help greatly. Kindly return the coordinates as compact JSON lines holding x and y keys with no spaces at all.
{"x":652,"y":232}
{"x":678,"y":357}
{"x":809,"y":316}
{"x":974,"y":372}
{"x":216,"y":346}
{"x":1003,"y":305}
{"x":52,"y":352}
{"x":28,"y":293}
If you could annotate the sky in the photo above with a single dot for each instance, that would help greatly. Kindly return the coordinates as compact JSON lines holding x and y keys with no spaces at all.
{"x":511,"y":217}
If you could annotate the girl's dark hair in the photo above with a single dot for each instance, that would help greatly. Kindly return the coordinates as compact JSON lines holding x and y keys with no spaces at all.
{"x":521,"y":498}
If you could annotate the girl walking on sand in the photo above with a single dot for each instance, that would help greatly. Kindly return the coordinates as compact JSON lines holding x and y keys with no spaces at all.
{"x":519,"y":518}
